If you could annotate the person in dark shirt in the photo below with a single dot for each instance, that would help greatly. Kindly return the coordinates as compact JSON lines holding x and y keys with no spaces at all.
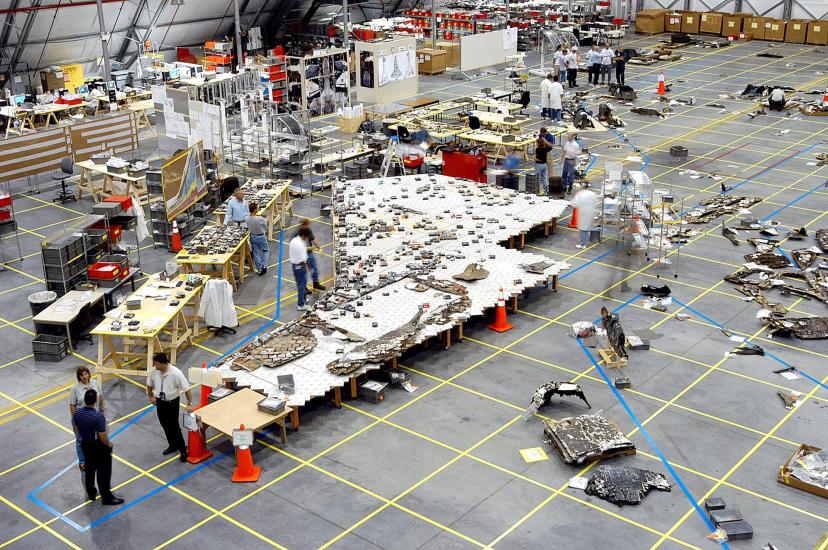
{"x":97,"y":449}
{"x":542,"y":148}
{"x":621,"y":57}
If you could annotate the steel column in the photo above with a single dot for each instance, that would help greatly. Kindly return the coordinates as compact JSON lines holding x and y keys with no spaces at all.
{"x":104,"y":45}
{"x":24,"y":35}
{"x":237,"y":19}
{"x":131,"y":32}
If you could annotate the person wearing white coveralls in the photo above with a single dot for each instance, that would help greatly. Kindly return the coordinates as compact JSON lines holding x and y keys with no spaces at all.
{"x":584,"y":201}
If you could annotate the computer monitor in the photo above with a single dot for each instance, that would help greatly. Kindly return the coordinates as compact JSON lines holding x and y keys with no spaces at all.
{"x":82,"y":89}
{"x":19,"y":99}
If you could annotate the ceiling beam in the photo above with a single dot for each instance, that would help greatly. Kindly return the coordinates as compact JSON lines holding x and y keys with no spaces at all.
{"x":131,"y":32}
{"x":5,"y":32}
{"x":24,"y":35}
{"x":153,"y":22}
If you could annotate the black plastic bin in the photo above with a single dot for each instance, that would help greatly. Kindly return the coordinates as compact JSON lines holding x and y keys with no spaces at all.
{"x":50,"y":348}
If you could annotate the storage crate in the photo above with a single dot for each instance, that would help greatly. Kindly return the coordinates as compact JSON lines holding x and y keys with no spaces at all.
{"x":50,"y":348}
{"x":349,"y":125}
{"x":65,"y":272}
{"x":61,"y":252}
{"x":124,"y":200}
{"x":97,"y":237}
{"x":104,"y":272}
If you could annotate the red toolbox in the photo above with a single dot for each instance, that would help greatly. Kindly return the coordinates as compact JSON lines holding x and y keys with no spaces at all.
{"x":104,"y":271}
{"x":114,"y":230}
{"x":126,"y":201}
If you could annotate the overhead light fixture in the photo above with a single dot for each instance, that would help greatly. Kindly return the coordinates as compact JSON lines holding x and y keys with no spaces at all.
{"x":176,"y":2}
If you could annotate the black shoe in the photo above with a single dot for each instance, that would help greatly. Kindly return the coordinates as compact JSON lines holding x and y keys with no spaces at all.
{"x":168,"y":451}
{"x":264,"y":270}
{"x":183,"y":456}
{"x":260,"y":272}
{"x":114,"y":501}
{"x":318,"y":286}
{"x":93,"y":497}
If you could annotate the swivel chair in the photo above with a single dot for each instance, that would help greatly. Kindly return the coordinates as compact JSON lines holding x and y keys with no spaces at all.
{"x":79,"y":329}
{"x":474,"y":122}
{"x":524,"y":100}
{"x":67,"y":169}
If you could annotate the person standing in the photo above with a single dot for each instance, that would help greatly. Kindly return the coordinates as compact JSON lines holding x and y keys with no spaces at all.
{"x":621,"y":57}
{"x":545,"y":90}
{"x":572,"y":68}
{"x":237,"y":208}
{"x":593,"y":64}
{"x":558,"y":68}
{"x":76,"y":396}
{"x":258,"y":239}
{"x":606,"y":64}
{"x":556,"y":101}
{"x":584,"y":201}
{"x":165,"y":384}
{"x":97,"y":449}
{"x":571,"y":150}
{"x":542,"y":148}
{"x":312,"y":265}
{"x":298,"y":254}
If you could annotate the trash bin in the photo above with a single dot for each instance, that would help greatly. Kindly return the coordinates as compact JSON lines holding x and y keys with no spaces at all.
{"x":41,"y":300}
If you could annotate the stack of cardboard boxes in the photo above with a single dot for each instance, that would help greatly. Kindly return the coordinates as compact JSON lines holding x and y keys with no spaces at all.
{"x":737,"y":25}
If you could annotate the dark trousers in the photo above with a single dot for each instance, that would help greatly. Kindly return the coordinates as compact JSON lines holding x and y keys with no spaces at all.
{"x":619,"y":73}
{"x":168,"y":417}
{"x":98,"y":465}
{"x":593,"y":74}
{"x":571,"y":77}
{"x":776,"y":105}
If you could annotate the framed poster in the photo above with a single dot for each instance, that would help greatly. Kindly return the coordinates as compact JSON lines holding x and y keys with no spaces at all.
{"x":183,"y":181}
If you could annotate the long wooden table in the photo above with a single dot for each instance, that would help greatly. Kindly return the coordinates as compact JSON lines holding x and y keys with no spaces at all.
{"x":229,"y":413}
{"x":133,"y":185}
{"x":141,"y":109}
{"x":156,"y":317}
{"x":49,"y":113}
{"x":207,"y":264}
{"x":521,"y":143}
{"x":278,"y":205}
{"x":501,"y":122}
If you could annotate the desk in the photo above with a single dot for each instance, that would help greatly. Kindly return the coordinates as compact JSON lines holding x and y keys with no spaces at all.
{"x":50,"y":112}
{"x":490,"y":103}
{"x":138,"y":185}
{"x":125,"y":100}
{"x":272,"y":202}
{"x":65,"y":310}
{"x":421,"y":102}
{"x":205,"y":264}
{"x":22,"y":116}
{"x":229,"y":413}
{"x":156,"y":317}
{"x":141,"y":109}
{"x":501,"y":122}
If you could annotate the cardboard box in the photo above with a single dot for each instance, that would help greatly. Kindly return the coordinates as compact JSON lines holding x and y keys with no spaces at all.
{"x":452,"y":53}
{"x":349,"y":125}
{"x":784,"y":476}
{"x":754,"y":27}
{"x":775,"y":30}
{"x":711,"y":23}
{"x":796,"y":31}
{"x":732,"y":23}
{"x":672,"y":22}
{"x":690,"y":22}
{"x":817,"y":33}
{"x":431,"y":61}
{"x":650,"y":21}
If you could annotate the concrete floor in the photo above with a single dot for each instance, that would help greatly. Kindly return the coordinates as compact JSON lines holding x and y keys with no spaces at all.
{"x":440,"y":468}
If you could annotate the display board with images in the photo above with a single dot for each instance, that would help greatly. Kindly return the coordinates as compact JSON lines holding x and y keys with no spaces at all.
{"x":401,"y":65}
{"x":319,"y":83}
{"x":183,"y":180}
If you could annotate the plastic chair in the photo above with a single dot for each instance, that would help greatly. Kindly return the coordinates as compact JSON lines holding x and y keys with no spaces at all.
{"x":67,"y":169}
{"x":474,"y":122}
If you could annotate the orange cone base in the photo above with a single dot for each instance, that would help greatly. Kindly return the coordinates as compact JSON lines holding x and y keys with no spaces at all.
{"x":196,"y":448}
{"x":193,"y":458}
{"x":573,"y":220}
{"x":252,"y":476}
{"x":500,"y":328}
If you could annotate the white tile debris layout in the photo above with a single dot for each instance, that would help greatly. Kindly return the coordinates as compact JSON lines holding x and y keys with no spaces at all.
{"x":391,"y":235}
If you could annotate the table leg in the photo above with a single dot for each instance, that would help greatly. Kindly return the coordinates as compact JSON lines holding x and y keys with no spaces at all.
{"x":555,"y":282}
{"x":69,"y":337}
{"x":227,"y":271}
{"x":112,"y":351}
{"x":338,"y":397}
{"x":513,"y":302}
{"x":283,"y":432}
{"x":101,"y":353}
{"x":353,"y":387}
{"x":81,"y":181}
{"x":151,"y":352}
{"x":294,"y":418}
{"x":174,"y":342}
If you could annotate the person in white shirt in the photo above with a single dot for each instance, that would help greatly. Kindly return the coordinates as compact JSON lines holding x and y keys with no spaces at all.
{"x":584,"y":201}
{"x":556,"y":100}
{"x":559,"y":63}
{"x":776,"y":101}
{"x":571,"y":60}
{"x":545,"y":91}
{"x":593,"y":64}
{"x":237,"y":208}
{"x":165,"y":384}
{"x":298,"y":254}
{"x":569,"y":158}
{"x":606,"y":64}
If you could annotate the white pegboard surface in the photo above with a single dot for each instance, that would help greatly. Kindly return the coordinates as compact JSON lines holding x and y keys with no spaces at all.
{"x":390,"y":231}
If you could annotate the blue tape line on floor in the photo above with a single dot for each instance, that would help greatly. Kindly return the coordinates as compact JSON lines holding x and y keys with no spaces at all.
{"x":699,"y":313}
{"x":650,"y":441}
{"x":793,"y":202}
{"x":784,"y":253}
{"x":592,"y":261}
{"x":773,"y":167}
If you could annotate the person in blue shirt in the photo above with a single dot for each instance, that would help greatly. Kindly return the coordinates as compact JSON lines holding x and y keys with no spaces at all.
{"x":237,"y":209}
{"x":97,"y":449}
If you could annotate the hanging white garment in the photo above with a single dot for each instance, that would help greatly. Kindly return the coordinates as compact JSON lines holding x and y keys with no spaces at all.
{"x":217,"y":307}
{"x":141,"y":226}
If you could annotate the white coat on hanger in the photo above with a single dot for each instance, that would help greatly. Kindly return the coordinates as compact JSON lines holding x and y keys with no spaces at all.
{"x":217,"y":307}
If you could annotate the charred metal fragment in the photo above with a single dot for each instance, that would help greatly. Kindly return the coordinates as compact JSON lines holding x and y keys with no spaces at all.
{"x":718,"y":205}
{"x":772,"y":259}
{"x":616,"y":339}
{"x":473,"y":272}
{"x":806,"y":328}
{"x":822,"y":239}
{"x":803,"y":258}
{"x":588,"y":437}
{"x":624,"y":484}
{"x":543,"y":395}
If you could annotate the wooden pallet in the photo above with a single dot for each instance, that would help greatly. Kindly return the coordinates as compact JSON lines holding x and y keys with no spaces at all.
{"x":611,"y":359}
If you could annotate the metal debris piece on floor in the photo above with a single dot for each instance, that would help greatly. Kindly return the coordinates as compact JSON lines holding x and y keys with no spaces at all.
{"x":588,"y":437}
{"x":543,"y":395}
{"x":624,"y":484}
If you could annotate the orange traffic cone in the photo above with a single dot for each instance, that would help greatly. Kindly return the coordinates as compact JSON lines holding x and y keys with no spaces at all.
{"x":500,"y":324}
{"x":825,"y":97}
{"x":573,"y":221}
{"x":205,"y":390}
{"x":245,"y":469}
{"x":175,"y":242}
{"x":661,"y":89}
{"x":197,"y":447}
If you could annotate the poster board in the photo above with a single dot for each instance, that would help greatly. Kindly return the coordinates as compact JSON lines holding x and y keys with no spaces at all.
{"x":72,"y":76}
{"x":32,"y":154}
{"x":486,"y":49}
{"x":183,"y":180}
{"x":386,"y":70}
{"x":115,"y":133}
{"x":319,"y":83}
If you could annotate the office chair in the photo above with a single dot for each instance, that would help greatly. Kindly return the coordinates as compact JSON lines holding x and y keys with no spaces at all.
{"x":524,"y":100}
{"x":474,"y":122}
{"x":67,"y":169}
{"x":403,"y":133}
{"x":79,"y":329}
